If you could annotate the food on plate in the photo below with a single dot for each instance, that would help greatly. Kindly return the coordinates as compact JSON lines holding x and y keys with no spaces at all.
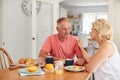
{"x":27,"y":61}
{"x":75,"y":68}
{"x":49,"y":66}
{"x":32,"y":68}
{"x":22,"y":61}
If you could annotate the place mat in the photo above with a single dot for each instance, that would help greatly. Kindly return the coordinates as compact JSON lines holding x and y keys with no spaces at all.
{"x":25,"y":72}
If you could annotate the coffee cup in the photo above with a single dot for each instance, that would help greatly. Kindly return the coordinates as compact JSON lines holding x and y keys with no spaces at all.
{"x":49,"y":60}
{"x":69,"y":62}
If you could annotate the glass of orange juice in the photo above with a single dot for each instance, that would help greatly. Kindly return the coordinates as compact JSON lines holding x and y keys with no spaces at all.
{"x":59,"y":67}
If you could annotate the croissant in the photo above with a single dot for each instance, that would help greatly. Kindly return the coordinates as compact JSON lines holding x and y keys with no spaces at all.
{"x":27,"y":61}
{"x":22,"y":61}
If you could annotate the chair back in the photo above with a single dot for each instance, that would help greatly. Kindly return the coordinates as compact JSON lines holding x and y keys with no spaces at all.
{"x":5,"y":59}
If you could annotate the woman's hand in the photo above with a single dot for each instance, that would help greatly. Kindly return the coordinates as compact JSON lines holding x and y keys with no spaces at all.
{"x":80,"y":61}
{"x":80,"y":44}
{"x":84,"y":53}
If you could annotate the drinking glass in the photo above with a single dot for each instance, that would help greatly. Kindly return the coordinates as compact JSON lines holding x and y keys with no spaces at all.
{"x":41,"y":62}
{"x":59,"y":67}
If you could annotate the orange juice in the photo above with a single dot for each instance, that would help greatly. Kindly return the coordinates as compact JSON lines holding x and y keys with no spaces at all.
{"x":59,"y":72}
{"x":59,"y":67}
{"x":49,"y":66}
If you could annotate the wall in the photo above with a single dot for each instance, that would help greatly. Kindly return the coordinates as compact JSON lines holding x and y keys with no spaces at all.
{"x":44,"y":24}
{"x":63,"y":12}
{"x":18,"y":30}
{"x":56,"y":14}
{"x":0,"y":23}
{"x":114,"y":18}
{"x":77,"y":10}
{"x":46,"y":20}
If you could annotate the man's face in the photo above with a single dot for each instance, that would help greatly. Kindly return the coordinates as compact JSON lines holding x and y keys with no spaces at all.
{"x":64,"y":29}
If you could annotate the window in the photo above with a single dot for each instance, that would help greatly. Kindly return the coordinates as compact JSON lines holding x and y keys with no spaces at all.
{"x":88,"y":18}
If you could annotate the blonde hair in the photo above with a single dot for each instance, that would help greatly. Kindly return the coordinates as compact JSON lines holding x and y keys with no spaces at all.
{"x":103,"y":28}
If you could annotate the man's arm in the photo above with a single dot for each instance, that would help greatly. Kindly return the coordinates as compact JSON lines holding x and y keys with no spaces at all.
{"x":43,"y":54}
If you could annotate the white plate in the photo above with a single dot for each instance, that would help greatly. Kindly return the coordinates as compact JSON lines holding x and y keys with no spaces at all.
{"x":24,"y":70}
{"x":74,"y":68}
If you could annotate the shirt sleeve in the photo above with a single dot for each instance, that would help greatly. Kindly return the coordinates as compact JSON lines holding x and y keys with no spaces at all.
{"x":47,"y":45}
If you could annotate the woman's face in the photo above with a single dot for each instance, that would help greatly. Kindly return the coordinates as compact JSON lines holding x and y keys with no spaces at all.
{"x":93,"y":33}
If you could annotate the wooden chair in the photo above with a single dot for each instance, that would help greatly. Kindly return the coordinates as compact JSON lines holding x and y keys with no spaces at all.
{"x":5,"y":59}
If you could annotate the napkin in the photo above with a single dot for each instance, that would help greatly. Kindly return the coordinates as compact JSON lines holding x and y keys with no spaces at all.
{"x":24,"y":72}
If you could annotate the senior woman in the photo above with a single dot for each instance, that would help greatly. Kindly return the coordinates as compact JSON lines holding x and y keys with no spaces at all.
{"x":105,"y":63}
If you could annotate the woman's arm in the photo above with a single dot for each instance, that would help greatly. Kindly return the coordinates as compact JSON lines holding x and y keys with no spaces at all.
{"x":104,"y":52}
{"x":84,"y":53}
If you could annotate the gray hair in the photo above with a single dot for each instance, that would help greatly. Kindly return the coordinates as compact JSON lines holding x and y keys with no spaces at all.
{"x":59,"y":21}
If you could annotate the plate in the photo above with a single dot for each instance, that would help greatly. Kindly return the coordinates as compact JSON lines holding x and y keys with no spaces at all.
{"x":24,"y":70}
{"x":19,"y":65}
{"x":74,"y":68}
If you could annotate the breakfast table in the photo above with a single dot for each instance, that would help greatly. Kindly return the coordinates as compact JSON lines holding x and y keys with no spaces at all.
{"x":13,"y":74}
